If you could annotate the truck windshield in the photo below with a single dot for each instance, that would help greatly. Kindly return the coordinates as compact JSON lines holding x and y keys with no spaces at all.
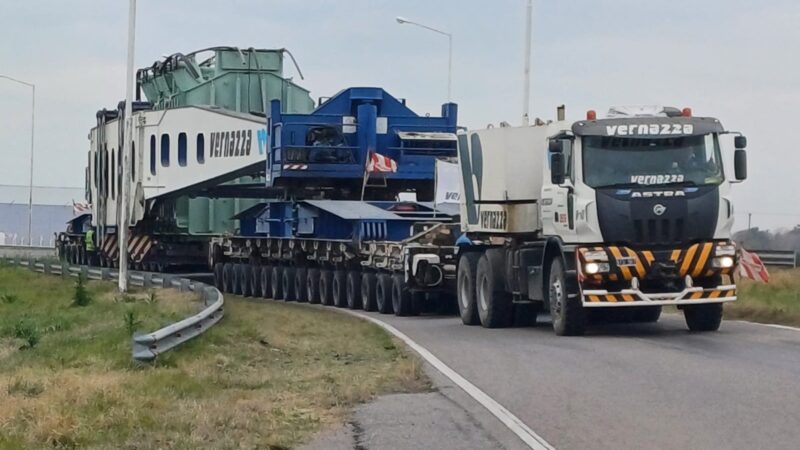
{"x":620,"y":162}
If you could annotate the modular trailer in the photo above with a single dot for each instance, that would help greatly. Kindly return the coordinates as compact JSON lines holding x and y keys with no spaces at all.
{"x":575,"y":218}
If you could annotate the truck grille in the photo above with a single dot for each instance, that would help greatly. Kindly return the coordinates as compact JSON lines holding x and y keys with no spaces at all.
{"x":659,"y":231}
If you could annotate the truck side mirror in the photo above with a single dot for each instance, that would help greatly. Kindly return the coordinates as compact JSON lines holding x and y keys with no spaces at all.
{"x":740,"y":163}
{"x":740,"y":142}
{"x":556,"y":167}
{"x":556,"y":146}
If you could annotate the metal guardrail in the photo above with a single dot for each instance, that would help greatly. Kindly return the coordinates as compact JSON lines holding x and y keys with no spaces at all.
{"x":783,"y":258}
{"x":146,"y":347}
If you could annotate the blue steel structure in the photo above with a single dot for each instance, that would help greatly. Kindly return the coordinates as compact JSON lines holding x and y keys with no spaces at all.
{"x":327,"y":149}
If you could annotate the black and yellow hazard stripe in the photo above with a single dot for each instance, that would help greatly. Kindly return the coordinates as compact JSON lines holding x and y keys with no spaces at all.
{"x":611,"y":298}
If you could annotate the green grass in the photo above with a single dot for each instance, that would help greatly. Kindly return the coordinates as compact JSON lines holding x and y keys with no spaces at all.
{"x":269,"y":375}
{"x":775,"y":302}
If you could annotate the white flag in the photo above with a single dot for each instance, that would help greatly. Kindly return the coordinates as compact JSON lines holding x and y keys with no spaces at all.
{"x":448,"y":189}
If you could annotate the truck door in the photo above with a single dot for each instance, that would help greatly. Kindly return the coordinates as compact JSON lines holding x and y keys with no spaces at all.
{"x":558,"y":200}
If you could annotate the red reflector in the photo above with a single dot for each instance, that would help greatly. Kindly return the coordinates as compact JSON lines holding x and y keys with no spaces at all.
{"x":591,"y":115}
{"x":687,"y":112}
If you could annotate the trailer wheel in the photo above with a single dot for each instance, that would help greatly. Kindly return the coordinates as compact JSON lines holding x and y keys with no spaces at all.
{"x":353,"y":289}
{"x":287,"y":280}
{"x":217,"y":275}
{"x":495,"y":306}
{"x":326,"y":287}
{"x":276,"y":281}
{"x":227,"y":278}
{"x":300,"y":291}
{"x":245,"y":272}
{"x":383,"y":293}
{"x":266,"y":276}
{"x":568,"y":316}
{"x":706,"y":317}
{"x":340,"y":288}
{"x":255,"y":280}
{"x":312,"y":285}
{"x":369,"y":284}
{"x":466,"y":295}
{"x":402,"y":300}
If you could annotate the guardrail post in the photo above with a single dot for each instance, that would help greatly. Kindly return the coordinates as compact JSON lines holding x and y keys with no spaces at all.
{"x":166,"y":281}
{"x":84,"y":272}
{"x":147,"y":280}
{"x":185,"y":284}
{"x":105,"y":273}
{"x":47,"y":269}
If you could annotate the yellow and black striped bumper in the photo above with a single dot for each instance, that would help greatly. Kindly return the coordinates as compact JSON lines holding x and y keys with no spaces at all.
{"x":633,"y":297}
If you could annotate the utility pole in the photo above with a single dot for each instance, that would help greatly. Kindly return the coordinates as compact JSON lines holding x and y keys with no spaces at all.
{"x":526,"y":78}
{"x":749,"y":221}
{"x":30,"y":186}
{"x":122,"y":224}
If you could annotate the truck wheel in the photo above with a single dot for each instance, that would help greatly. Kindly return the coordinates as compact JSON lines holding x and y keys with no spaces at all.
{"x":217,"y":275}
{"x":383,"y":293}
{"x":287,"y":282}
{"x":255,"y":280}
{"x":467,"y":304}
{"x":340,"y":288}
{"x":647,"y":314}
{"x":312,"y":285}
{"x":706,"y":317}
{"x":326,"y":287}
{"x":266,"y":275}
{"x":525,"y":315}
{"x":567,"y":313}
{"x":227,"y":278}
{"x":369,"y":282}
{"x":300,"y":291}
{"x":353,"y":289}
{"x":495,"y":306}
{"x":402,"y":301}
{"x":276,"y":280}
{"x":244,"y":279}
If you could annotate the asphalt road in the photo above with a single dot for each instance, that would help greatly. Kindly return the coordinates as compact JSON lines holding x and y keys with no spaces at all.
{"x":643,"y":386}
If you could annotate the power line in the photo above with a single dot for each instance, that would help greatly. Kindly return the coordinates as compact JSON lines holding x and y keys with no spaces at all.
{"x":39,"y":187}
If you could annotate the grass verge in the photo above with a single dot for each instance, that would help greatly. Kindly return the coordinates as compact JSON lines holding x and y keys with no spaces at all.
{"x":775,"y":302}
{"x":268,"y":376}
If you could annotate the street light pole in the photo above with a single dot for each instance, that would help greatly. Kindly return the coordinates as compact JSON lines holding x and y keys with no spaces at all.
{"x":526,"y":77}
{"x":402,"y":20}
{"x":30,"y":185}
{"x":122,"y":225}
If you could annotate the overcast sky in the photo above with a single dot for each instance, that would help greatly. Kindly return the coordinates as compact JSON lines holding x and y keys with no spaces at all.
{"x":735,"y":60}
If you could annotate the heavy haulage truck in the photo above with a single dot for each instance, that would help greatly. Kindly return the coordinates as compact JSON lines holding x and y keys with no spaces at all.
{"x":576,"y":218}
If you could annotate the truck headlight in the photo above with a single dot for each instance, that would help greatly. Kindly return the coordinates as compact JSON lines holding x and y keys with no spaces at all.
{"x":722,"y":262}
{"x":595,"y":255}
{"x":592,"y":268}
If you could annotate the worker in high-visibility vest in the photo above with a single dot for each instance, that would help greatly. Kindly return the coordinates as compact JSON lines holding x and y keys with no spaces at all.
{"x":91,"y":250}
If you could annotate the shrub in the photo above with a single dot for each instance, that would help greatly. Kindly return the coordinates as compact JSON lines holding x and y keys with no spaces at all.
{"x":81,"y":296}
{"x":131,"y":321}
{"x":8,"y":298}
{"x":27,"y":330}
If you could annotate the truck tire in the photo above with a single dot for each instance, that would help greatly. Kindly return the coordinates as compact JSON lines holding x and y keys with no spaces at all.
{"x":369,"y":284}
{"x":326,"y":287}
{"x":466,"y":294}
{"x":300,"y":291}
{"x":353,"y":289}
{"x":255,"y":280}
{"x":568,"y":316}
{"x":217,"y":275}
{"x":340,"y":288}
{"x":383,"y":293}
{"x":276,"y":281}
{"x":244,"y":279}
{"x":495,"y":305}
{"x":312,"y":286}
{"x":402,"y":300}
{"x":287,"y":283}
{"x":227,"y":278}
{"x":706,"y":317}
{"x":266,"y":275}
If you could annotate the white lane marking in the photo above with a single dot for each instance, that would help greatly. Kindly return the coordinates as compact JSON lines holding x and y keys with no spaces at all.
{"x":771,"y":325}
{"x":513,"y":422}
